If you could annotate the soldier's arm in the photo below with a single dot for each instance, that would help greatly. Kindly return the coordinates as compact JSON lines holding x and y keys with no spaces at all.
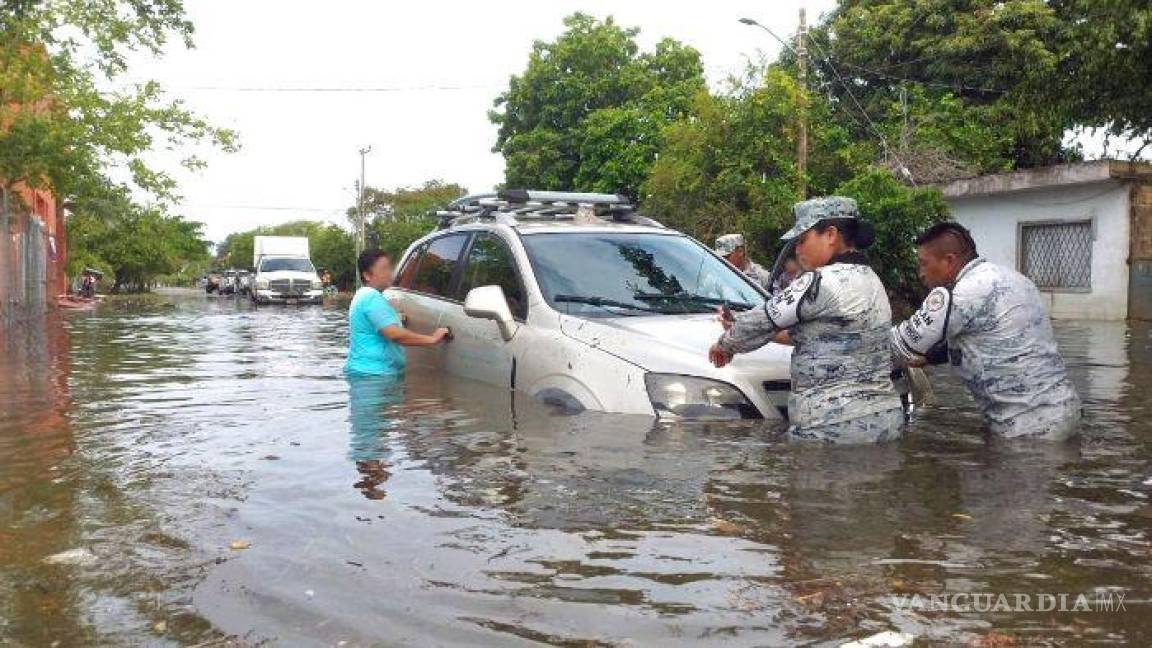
{"x":922,"y":338}
{"x":754,"y":328}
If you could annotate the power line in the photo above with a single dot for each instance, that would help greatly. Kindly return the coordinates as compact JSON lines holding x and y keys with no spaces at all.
{"x":265,"y":208}
{"x":938,"y":84}
{"x":333,"y":89}
{"x":871,"y":124}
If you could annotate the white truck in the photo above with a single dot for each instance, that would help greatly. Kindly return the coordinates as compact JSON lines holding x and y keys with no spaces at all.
{"x":284,"y":273}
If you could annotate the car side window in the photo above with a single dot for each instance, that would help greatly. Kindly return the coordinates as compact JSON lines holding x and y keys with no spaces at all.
{"x":438,"y":264}
{"x":408,"y":271}
{"x":490,"y":262}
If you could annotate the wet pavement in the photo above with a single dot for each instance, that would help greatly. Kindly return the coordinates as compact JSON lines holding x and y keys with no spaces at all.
{"x":181,"y":475}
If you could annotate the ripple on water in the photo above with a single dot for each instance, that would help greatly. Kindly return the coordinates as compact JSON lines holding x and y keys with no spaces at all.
{"x":444,"y":512}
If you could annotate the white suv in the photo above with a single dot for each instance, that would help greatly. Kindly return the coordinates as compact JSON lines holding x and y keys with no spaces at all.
{"x":575,"y":300}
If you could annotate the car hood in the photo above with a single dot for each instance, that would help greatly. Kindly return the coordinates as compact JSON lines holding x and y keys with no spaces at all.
{"x":674,"y":344}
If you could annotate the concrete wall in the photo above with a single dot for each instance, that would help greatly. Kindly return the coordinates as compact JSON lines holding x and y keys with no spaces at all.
{"x":1140,"y":280}
{"x":995,"y":219}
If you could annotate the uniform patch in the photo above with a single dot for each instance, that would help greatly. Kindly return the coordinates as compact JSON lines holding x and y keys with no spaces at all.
{"x":935,"y":301}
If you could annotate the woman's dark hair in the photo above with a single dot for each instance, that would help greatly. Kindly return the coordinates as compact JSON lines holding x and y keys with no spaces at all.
{"x":856,"y":233}
{"x":367,"y":258}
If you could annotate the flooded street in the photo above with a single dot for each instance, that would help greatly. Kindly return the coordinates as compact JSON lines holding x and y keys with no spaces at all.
{"x":180,"y":475}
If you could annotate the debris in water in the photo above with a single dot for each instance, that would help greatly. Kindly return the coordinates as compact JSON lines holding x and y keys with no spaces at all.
{"x":962,"y":516}
{"x":239,"y":545}
{"x":78,"y":557}
{"x":886,"y":639}
{"x":160,"y":627}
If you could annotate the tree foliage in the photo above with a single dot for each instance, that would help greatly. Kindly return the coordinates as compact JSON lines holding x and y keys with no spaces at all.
{"x":66,"y":119}
{"x":396,"y":217}
{"x":589,"y":109}
{"x":731,"y":167}
{"x":133,"y":245}
{"x":1006,"y":79}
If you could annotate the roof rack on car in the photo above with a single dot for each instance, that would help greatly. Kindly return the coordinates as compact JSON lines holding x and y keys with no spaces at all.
{"x":513,"y":206}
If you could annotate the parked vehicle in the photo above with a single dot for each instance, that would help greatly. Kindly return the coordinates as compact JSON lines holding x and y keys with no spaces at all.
{"x":243,"y":282}
{"x":578,"y":301}
{"x":284,"y":271}
{"x":228,"y":283}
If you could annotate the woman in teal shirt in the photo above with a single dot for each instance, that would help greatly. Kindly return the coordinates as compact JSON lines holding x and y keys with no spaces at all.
{"x":375,"y":333}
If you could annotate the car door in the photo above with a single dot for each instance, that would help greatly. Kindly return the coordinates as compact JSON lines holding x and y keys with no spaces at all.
{"x":478,"y":351}
{"x":425,"y":290}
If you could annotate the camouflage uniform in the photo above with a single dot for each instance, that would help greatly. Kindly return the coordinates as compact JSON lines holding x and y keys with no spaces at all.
{"x":1000,"y":343}
{"x":838,"y":318}
{"x":728,"y":243}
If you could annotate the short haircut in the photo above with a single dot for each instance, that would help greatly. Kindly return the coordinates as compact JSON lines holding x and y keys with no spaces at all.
{"x":949,"y":238}
{"x":368,"y":258}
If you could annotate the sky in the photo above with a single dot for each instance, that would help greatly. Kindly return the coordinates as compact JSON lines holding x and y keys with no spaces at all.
{"x":441,"y":64}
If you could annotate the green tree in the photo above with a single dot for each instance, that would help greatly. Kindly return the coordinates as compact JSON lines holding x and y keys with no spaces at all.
{"x":974,"y":86}
{"x":898,"y":214}
{"x":399,"y":216}
{"x":588,"y":111}
{"x":406,"y":203}
{"x":731,"y":166}
{"x":131,"y":244}
{"x":69,"y":123}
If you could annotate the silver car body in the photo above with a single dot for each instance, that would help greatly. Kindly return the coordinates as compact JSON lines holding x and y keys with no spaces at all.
{"x":582,"y":362}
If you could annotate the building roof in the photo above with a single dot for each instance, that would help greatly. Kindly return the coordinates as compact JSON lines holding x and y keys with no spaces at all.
{"x":1051,"y":176}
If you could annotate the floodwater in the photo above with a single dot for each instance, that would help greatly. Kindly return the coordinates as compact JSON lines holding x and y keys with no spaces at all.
{"x":204,"y":475}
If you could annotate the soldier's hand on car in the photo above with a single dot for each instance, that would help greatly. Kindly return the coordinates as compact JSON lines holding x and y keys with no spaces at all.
{"x":725,"y":317}
{"x":718,"y":357}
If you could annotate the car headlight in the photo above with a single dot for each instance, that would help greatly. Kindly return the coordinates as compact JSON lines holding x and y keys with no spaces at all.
{"x":262,"y":284}
{"x":317,"y":284}
{"x":691,"y":397}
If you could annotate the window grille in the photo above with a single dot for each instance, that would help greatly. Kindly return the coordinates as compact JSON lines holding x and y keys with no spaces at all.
{"x":1057,"y":255}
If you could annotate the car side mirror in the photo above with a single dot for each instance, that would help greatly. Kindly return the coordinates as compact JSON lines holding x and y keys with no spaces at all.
{"x":488,"y":302}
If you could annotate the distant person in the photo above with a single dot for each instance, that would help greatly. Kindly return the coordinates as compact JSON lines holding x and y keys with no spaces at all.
{"x":732,"y":248}
{"x":375,"y":334}
{"x":989,"y":323}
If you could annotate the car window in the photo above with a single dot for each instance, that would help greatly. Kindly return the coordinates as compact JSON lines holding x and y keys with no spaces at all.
{"x":490,"y":263}
{"x":278,"y":264}
{"x":437,"y":265}
{"x":408,"y":271}
{"x":618,"y":274}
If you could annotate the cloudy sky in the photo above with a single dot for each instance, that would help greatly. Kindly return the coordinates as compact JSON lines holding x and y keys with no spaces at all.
{"x":437,"y":65}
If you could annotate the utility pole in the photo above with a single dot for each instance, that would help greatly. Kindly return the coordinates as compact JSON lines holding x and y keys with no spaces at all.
{"x":360,"y":220}
{"x":802,"y":135}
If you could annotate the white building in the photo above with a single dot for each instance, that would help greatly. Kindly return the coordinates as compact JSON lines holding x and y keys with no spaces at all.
{"x":1081,"y":232}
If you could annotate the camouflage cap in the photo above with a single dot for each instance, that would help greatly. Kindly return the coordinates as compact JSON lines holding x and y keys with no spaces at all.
{"x":728,"y":243}
{"x":814,"y":210}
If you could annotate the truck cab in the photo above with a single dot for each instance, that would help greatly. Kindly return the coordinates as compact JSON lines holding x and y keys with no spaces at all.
{"x":284,"y":273}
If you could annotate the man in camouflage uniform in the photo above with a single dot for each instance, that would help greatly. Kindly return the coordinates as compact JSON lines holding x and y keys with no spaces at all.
{"x":731,"y":247}
{"x":837,"y":315}
{"x":990,"y":324}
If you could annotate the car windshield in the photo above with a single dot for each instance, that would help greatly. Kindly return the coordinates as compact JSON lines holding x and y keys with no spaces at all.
{"x":277,"y":264}
{"x":622,"y":274}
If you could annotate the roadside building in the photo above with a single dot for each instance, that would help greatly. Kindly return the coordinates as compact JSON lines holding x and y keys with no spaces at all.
{"x":32,"y":249}
{"x":1082,"y":232}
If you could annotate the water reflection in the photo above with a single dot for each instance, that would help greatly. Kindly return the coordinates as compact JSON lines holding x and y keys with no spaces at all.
{"x":438,"y":511}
